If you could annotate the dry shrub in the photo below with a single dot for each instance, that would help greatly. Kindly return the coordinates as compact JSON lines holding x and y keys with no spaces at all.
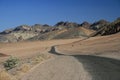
{"x":40,"y":58}
{"x":22,"y":70}
{"x":5,"y":76}
{"x":25,"y":68}
{"x":12,"y":62}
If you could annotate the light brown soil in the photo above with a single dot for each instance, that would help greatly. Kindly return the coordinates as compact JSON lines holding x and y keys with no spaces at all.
{"x":59,"y":68}
{"x":86,"y":65}
{"x":83,"y":66}
{"x":108,"y":46}
{"x":28,"y":49}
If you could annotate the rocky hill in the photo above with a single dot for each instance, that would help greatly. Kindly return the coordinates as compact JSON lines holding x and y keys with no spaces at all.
{"x":111,"y":28}
{"x":61,"y":30}
{"x":67,"y":24}
{"x":24,"y":32}
{"x":99,"y":24}
{"x":108,"y":28}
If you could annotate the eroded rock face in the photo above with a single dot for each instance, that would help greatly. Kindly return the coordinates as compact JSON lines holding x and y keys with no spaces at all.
{"x":3,"y":39}
{"x":24,"y":32}
{"x":111,"y":28}
{"x":23,"y":28}
{"x":99,"y":24}
{"x":7,"y":31}
{"x":67,"y":24}
{"x":59,"y":31}
{"x":85,"y":24}
{"x":7,"y":38}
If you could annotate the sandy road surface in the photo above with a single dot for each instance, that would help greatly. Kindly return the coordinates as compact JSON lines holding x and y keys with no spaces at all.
{"x":76,"y":67}
{"x":59,"y":68}
{"x":100,"y":68}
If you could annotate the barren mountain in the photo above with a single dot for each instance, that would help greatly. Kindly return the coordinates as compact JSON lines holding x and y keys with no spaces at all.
{"x":99,"y":24}
{"x":84,"y":58}
{"x":23,"y":32}
{"x":64,"y":34}
{"x":61,"y":30}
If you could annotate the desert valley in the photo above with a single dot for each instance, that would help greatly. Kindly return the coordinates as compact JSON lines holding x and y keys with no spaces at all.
{"x":65,"y":51}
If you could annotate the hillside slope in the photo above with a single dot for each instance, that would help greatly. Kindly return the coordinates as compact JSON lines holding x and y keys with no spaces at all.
{"x":102,"y":45}
{"x":64,"y":34}
{"x":62,"y":30}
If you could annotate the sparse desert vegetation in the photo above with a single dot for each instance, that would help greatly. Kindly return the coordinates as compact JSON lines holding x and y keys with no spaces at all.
{"x":32,"y":55}
{"x":12,"y":62}
{"x":13,"y":71}
{"x":48,"y":59}
{"x":60,"y":40}
{"x":24,"y":68}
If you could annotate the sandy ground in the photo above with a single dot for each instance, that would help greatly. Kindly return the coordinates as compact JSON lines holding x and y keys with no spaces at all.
{"x":59,"y":68}
{"x":96,"y":58}
{"x":107,"y":46}
{"x":100,"y":68}
{"x":24,"y":50}
{"x":76,"y":67}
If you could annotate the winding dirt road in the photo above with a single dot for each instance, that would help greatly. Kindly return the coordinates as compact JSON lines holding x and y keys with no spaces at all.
{"x":76,"y":67}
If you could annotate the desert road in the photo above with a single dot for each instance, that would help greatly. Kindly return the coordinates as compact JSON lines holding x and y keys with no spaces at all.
{"x":76,"y":67}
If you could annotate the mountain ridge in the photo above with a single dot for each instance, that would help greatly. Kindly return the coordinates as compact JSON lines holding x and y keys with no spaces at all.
{"x":61,"y":30}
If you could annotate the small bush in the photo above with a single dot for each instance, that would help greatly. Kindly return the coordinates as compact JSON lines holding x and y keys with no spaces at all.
{"x":40,"y":58}
{"x":25,"y":68}
{"x":11,"y":63}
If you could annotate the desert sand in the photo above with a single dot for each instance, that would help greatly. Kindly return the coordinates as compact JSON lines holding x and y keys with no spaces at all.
{"x":96,"y":58}
{"x":24,"y":50}
{"x":107,"y":46}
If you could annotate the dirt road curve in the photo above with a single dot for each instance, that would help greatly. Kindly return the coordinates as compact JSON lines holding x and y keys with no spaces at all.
{"x":60,"y":68}
{"x":76,"y":67}
{"x":101,"y":68}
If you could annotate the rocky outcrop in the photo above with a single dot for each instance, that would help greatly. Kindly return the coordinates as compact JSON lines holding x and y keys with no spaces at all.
{"x":67,"y":24}
{"x":23,"y":28}
{"x":99,"y":24}
{"x":112,"y":28}
{"x":7,"y":38}
{"x":7,"y":31}
{"x":61,"y":30}
{"x":85,"y":24}
{"x":24,"y":32}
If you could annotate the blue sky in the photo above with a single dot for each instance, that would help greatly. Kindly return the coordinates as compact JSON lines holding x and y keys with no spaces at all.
{"x":17,"y":12}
